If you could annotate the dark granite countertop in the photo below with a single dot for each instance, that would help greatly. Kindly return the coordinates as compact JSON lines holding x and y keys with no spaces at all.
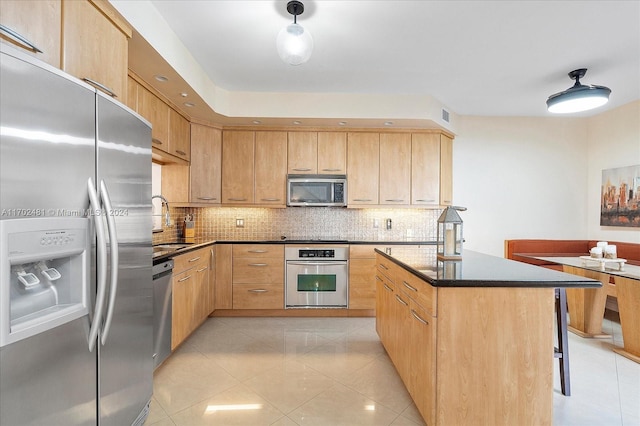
{"x":480,"y":270}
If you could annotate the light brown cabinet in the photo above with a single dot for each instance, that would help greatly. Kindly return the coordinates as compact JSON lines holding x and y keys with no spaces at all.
{"x":258,"y":276}
{"x":302,"y":153}
{"x":362,"y":272}
{"x":223,"y":273}
{"x":156,"y":112}
{"x":446,"y":170}
{"x":95,"y":45}
{"x":190,"y":300}
{"x":179,"y":136}
{"x":205,"y":168}
{"x":132,"y":93}
{"x":425,"y":169}
{"x":332,"y":153}
{"x":395,"y":168}
{"x":363,"y":168}
{"x":238,"y":154}
{"x":271,"y":168}
{"x":38,"y":22}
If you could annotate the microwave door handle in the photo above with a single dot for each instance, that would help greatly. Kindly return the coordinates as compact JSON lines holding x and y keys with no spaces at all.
{"x":115,"y":260}
{"x":101,"y":255}
{"x":304,"y":263}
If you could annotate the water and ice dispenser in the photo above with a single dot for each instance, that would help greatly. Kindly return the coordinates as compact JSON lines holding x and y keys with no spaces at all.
{"x":44,"y":279}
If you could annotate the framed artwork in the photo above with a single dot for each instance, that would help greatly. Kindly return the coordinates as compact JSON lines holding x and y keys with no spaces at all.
{"x":620,"y":197}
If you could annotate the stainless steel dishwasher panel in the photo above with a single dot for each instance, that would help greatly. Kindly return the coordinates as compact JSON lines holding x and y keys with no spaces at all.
{"x":162,"y":293}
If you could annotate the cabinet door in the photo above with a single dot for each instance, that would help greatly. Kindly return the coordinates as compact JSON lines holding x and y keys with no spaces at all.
{"x":425,"y":169}
{"x":402,"y":335}
{"x":94,"y":47}
{"x":363,"y":167}
{"x":395,"y":168}
{"x":223,"y":272}
{"x":200,"y":294}
{"x":237,"y":167}
{"x":182,"y":307}
{"x":446,"y":170}
{"x":302,"y":155}
{"x":422,"y":383}
{"x":179,"y":135}
{"x":384,"y":299}
{"x":132,"y":94}
{"x":206,"y":164}
{"x":157,"y":112}
{"x":211,"y":298}
{"x":39,"y":22}
{"x":271,"y":168}
{"x":332,"y":153}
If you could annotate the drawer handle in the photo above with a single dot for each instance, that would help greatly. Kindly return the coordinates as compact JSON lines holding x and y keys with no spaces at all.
{"x":362,"y":199}
{"x":203,"y":269}
{"x":270,"y":199}
{"x":331,"y":170}
{"x":401,"y":301}
{"x":237,"y":199}
{"x":257,"y":251}
{"x":395,"y":200}
{"x":207,"y":198}
{"x":383,"y":267}
{"x":181,"y":152}
{"x":258,"y":264}
{"x":447,"y":201}
{"x":184,"y":279}
{"x":258,"y":290}
{"x":416,"y":316}
{"x":194,"y":259}
{"x":100,"y":86}
{"x":19,"y":37}
{"x":304,"y":169}
{"x":378,"y":278}
{"x":406,"y":284}
{"x":156,"y":141}
{"x":386,"y":287}
{"x":426,"y":201}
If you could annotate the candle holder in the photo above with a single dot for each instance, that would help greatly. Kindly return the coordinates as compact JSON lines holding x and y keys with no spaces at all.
{"x":450,"y":234}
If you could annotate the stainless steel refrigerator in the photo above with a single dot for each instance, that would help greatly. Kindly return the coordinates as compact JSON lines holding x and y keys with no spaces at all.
{"x":75,"y":251}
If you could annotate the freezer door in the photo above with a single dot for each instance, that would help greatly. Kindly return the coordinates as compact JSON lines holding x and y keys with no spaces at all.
{"x":124,"y":176}
{"x":47,"y":154}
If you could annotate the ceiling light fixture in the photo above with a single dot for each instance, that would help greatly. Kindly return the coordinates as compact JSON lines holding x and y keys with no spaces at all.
{"x":579,"y":97}
{"x":294,"y":43}
{"x":161,"y":78}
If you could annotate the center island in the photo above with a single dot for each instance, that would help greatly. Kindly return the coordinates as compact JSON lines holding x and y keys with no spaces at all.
{"x":472,"y":339}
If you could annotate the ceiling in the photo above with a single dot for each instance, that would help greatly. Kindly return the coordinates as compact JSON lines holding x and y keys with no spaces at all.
{"x":489,"y":58}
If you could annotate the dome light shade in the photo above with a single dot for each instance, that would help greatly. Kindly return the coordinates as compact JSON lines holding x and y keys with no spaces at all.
{"x":294,"y":43}
{"x":579,"y":97}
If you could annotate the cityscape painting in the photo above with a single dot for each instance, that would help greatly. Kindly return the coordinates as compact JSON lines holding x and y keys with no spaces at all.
{"x":620,"y":197}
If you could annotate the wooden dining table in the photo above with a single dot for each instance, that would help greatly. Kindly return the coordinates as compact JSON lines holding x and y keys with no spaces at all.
{"x":587,"y":305}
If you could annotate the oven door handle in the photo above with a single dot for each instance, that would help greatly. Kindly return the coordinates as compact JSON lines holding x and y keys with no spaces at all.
{"x":343,"y":263}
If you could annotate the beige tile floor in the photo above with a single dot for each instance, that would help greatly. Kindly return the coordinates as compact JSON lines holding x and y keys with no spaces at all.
{"x":334,"y":371}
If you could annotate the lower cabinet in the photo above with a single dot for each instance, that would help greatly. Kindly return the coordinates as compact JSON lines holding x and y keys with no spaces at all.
{"x":258,"y":276}
{"x":191,"y":300}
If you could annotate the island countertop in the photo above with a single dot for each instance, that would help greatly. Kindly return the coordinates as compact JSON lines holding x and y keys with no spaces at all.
{"x":480,"y":270}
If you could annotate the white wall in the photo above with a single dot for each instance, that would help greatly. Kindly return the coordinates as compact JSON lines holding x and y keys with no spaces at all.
{"x":520,"y":177}
{"x":614,"y":141}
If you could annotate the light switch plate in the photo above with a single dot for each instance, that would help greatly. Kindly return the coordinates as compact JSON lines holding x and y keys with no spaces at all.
{"x":239,"y":223}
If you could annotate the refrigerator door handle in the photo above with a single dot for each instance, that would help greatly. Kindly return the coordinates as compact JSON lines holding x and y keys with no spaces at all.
{"x":115,"y":260}
{"x":101,"y":254}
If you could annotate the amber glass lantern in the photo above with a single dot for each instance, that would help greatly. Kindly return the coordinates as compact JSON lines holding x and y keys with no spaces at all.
{"x":450,"y":234}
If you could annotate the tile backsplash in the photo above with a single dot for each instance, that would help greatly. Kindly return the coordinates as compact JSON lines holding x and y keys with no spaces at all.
{"x":219,"y":223}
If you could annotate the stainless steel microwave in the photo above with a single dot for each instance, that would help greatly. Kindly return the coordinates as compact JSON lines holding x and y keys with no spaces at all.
{"x":317,"y":190}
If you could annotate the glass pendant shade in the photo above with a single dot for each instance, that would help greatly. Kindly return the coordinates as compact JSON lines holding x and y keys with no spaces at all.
{"x":294,"y":44}
{"x":579,"y":97}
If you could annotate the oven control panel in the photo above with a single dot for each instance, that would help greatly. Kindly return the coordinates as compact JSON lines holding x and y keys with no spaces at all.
{"x":315,"y":253}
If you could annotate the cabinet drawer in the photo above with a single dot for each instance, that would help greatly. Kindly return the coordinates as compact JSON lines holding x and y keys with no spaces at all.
{"x":386,"y":267}
{"x":258,"y":296}
{"x":188,"y":260}
{"x":258,"y":270}
{"x":258,"y":250}
{"x":420,"y":291}
{"x":363,"y":251}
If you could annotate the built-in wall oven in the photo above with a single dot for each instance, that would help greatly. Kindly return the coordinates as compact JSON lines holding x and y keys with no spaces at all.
{"x":317,"y":276}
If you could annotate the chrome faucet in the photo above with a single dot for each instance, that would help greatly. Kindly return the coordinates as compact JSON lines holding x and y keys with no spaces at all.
{"x":167,"y":217}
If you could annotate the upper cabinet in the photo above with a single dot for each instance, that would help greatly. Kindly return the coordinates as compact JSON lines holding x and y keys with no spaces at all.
{"x":206,"y":164}
{"x":425,"y":169}
{"x":322,"y":153}
{"x":237,"y":167}
{"x":179,"y":135}
{"x":95,"y":45}
{"x":156,"y":112}
{"x":446,"y":170}
{"x":271,"y":168}
{"x":395,"y":168}
{"x":33,"y":25}
{"x":363,"y":168}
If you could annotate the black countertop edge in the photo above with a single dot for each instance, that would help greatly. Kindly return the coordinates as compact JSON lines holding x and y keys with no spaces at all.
{"x":508,"y":273}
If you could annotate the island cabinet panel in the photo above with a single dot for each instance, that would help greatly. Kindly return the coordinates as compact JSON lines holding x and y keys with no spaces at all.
{"x":39,"y":22}
{"x":362,"y":273}
{"x":422,"y":353}
{"x":395,"y":168}
{"x":425,"y":169}
{"x":302,"y":153}
{"x":205,"y":170}
{"x":332,"y":153}
{"x":258,"y":276}
{"x":95,"y":45}
{"x":446,"y":170}
{"x":238,"y":167}
{"x":363,"y":168}
{"x":271,"y":168}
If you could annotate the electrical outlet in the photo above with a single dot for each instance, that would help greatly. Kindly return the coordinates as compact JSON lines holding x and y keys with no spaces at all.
{"x":376,"y":223}
{"x":409,"y":233}
{"x":239,"y":223}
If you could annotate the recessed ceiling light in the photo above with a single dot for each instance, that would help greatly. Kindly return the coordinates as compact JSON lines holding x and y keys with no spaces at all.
{"x":257,"y":122}
{"x":161,"y":78}
{"x":388,"y":123}
{"x":297,"y":122}
{"x":189,"y":104}
{"x":342,"y":123}
{"x":184,"y":95}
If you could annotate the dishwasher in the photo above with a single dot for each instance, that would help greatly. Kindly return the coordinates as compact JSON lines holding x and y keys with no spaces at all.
{"x":162,"y":273}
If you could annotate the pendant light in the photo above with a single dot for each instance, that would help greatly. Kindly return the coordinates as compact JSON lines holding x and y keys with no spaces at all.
{"x":294,"y":43}
{"x":579,"y":97}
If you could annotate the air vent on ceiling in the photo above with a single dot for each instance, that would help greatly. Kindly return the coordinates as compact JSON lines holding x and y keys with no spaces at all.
{"x":445,"y":115}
